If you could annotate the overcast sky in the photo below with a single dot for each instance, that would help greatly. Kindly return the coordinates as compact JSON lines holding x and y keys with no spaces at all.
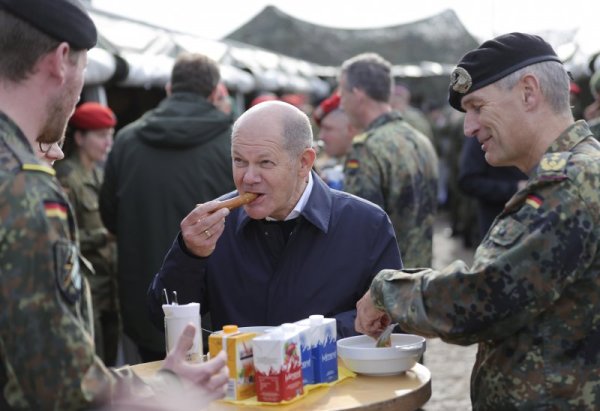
{"x":483,"y":18}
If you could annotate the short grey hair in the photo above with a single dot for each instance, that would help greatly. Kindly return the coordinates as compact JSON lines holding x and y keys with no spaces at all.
{"x":295,"y":125}
{"x":371,"y":73}
{"x":554,"y":83}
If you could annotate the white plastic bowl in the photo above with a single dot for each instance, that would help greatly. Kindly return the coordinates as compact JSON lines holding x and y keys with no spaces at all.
{"x":361,"y":356}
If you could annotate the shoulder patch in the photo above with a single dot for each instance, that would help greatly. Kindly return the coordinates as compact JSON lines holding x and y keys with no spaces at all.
{"x":553,"y":166}
{"x":55,"y":209}
{"x":360,"y":138}
{"x":534,"y":201}
{"x":68,"y":274}
{"x":352,"y":164}
{"x":38,"y":167}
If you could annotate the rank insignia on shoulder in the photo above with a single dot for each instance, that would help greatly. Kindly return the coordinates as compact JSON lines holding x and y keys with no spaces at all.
{"x":68,"y":274}
{"x":360,"y":138}
{"x":352,"y":164}
{"x":554,"y":162}
{"x":55,"y":209}
{"x":534,"y":201}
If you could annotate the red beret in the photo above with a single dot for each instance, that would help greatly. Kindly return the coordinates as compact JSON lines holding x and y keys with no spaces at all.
{"x":574,"y":88}
{"x":327,"y":106}
{"x":296,"y":100}
{"x":93,"y":116}
{"x":262,"y":98}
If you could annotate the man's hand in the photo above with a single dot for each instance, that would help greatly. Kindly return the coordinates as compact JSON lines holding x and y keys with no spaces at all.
{"x":370,"y":320}
{"x":202,"y":227}
{"x":210,"y":377}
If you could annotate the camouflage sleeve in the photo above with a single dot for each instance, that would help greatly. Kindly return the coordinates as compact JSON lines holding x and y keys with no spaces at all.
{"x":364,"y":175}
{"x":521,"y":268}
{"x":45,"y":347}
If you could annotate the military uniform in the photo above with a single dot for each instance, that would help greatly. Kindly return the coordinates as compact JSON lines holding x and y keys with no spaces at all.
{"x":47,"y":356}
{"x":532,"y":298}
{"x":595,"y":126}
{"x":83,"y":188}
{"x":395,"y":166}
{"x":46,"y":330}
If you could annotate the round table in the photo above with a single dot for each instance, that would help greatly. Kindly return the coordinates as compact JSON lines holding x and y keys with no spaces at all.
{"x":407,"y":391}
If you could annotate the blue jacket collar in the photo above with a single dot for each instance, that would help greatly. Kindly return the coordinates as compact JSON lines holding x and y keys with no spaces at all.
{"x":317,"y":210}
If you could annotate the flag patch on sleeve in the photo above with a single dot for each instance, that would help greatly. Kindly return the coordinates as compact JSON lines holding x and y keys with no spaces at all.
{"x":352,"y":164}
{"x":55,"y":210}
{"x":534,"y":201}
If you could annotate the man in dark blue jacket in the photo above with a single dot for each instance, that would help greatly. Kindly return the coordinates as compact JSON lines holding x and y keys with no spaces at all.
{"x":299,"y":248}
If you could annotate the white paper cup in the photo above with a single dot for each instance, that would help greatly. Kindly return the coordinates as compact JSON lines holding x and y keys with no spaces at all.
{"x":176,"y":319}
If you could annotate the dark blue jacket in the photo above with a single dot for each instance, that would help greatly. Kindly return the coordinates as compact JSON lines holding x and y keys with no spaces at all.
{"x":254,"y":278}
{"x":491,"y":186}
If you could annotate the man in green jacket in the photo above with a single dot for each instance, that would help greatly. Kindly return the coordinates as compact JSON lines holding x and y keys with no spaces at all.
{"x":172,"y":158}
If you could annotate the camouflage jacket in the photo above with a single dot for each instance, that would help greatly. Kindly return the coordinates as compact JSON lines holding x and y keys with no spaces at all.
{"x":47,"y":359}
{"x":532,"y":298}
{"x":83,"y":189}
{"x":395,"y":166}
{"x":595,"y":126}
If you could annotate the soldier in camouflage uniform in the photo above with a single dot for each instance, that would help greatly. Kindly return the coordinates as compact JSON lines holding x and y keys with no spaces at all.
{"x":594,"y":122}
{"x":531,"y":300}
{"x":81,"y":174}
{"x":47,"y":358}
{"x":391,"y":163}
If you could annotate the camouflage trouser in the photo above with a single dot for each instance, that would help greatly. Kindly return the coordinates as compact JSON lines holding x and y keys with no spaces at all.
{"x":107,"y":321}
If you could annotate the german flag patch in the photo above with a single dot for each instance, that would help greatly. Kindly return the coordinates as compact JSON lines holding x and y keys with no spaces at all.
{"x":352,"y":164}
{"x":534,"y":201}
{"x":55,"y":209}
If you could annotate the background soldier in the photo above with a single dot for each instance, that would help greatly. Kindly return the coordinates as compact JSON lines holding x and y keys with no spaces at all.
{"x":391,"y":163}
{"x":88,"y":142}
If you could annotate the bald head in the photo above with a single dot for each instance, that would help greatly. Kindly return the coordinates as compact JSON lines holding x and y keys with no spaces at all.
{"x":272,"y":156}
{"x":291,"y":123}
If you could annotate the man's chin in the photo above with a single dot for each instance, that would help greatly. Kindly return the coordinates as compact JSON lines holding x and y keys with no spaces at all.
{"x":255,"y":213}
{"x":256,"y":209}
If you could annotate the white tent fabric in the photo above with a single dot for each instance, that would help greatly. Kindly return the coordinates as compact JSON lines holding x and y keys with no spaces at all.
{"x":149,"y":53}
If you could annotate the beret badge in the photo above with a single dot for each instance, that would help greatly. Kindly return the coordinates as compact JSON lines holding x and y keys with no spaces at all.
{"x":460,"y":80}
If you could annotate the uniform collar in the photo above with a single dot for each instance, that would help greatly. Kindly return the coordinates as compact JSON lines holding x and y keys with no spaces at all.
{"x":569,"y":138}
{"x":12,"y":131}
{"x":383,"y":119}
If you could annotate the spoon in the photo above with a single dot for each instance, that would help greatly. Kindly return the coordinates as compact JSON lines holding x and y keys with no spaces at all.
{"x":385,"y":339}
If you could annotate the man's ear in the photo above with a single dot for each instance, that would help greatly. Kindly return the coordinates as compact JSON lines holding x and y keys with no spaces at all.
{"x":531,"y":92}
{"x":168,"y":88}
{"x":307,"y":159}
{"x":56,"y":63}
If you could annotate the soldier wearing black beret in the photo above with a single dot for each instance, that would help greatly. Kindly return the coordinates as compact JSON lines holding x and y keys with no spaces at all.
{"x":64,"y":20}
{"x":531,"y":298}
{"x":47,"y":358}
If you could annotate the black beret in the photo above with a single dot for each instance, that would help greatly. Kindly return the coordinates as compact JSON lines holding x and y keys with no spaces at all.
{"x":64,"y":20}
{"x":495,"y":59}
